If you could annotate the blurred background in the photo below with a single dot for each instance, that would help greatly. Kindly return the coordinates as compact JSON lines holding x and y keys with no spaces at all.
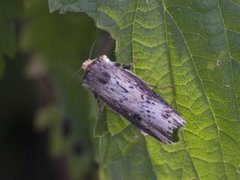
{"x":44,"y":135}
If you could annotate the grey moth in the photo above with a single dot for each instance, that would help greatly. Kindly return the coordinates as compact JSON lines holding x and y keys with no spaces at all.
{"x":130,"y":96}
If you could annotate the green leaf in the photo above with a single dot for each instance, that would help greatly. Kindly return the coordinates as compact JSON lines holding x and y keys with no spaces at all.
{"x":193,"y":45}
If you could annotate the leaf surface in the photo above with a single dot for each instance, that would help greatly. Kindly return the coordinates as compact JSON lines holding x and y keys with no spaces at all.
{"x":194,"y":46}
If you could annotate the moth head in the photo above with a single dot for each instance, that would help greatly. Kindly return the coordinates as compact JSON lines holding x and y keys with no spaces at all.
{"x":86,"y":64}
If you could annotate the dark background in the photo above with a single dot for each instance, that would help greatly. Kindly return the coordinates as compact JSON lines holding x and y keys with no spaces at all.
{"x":46,"y":120}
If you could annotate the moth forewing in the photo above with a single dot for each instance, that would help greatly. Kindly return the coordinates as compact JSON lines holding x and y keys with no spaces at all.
{"x":129,"y":95}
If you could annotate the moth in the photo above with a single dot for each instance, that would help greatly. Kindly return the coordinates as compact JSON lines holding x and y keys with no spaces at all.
{"x":130,"y":96}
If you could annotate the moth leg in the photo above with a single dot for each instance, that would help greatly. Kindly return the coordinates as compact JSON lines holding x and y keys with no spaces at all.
{"x":101,"y":104}
{"x":127,"y":66}
{"x":100,"y":125}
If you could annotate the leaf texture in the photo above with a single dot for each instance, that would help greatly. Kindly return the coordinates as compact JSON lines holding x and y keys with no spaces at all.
{"x":194,"y":46}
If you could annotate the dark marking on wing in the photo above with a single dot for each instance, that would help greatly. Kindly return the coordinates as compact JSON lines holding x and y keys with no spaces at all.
{"x":136,"y":117}
{"x":146,"y":90}
{"x":104,"y":77}
{"x":120,"y":101}
{"x":148,"y":102}
{"x":124,"y":89}
{"x":166,"y":115}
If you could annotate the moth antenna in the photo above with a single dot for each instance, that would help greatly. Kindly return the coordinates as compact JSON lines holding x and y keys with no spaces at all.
{"x":75,"y":73}
{"x":68,"y":81}
{"x":90,"y":53}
